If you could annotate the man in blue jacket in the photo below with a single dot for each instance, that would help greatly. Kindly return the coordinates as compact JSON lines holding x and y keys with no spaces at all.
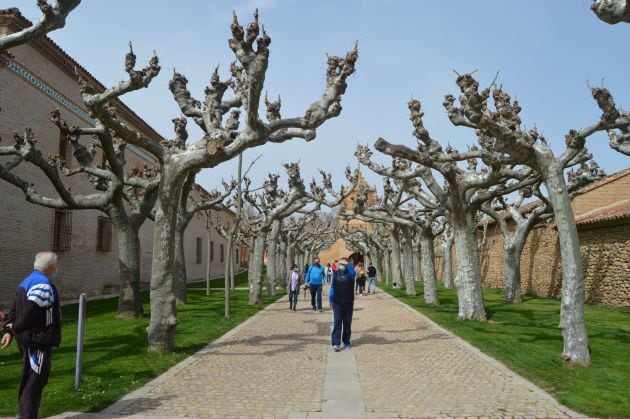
{"x":314,"y":278}
{"x":341,"y":299}
{"x":35,"y":321}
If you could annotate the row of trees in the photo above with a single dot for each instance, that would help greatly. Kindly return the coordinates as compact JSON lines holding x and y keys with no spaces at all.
{"x":430,"y":191}
{"x":230,"y":125}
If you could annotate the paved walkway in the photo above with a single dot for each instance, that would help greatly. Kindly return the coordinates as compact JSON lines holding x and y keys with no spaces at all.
{"x":280,"y":364}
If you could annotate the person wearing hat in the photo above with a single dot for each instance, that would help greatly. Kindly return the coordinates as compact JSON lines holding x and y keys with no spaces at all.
{"x":341,"y":299}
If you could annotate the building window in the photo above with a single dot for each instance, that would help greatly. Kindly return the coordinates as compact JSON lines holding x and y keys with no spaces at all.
{"x":236,"y":259}
{"x":104,"y":235}
{"x":62,"y":230}
{"x":221,"y":252}
{"x":199,"y":248}
{"x":211,"y":251}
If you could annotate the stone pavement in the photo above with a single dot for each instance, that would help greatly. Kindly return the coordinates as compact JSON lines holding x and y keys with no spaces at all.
{"x":280,"y":364}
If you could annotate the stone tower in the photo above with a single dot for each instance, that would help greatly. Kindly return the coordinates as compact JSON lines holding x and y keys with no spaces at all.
{"x":340,"y":248}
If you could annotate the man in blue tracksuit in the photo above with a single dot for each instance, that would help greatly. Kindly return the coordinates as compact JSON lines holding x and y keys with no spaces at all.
{"x":314,"y":277}
{"x":341,"y":299}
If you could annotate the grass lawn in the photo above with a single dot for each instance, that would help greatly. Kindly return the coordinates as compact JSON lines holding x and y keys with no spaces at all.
{"x":240,"y":280}
{"x":526,"y":338}
{"x":115,"y":359}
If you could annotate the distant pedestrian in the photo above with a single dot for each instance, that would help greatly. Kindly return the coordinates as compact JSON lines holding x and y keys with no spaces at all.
{"x":314,"y":277}
{"x":35,"y":322}
{"x":293,"y":279}
{"x":371,"y":273}
{"x":328,"y":273}
{"x":361,"y":279}
{"x":341,"y":299}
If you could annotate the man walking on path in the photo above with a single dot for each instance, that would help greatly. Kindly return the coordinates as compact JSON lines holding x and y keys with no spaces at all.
{"x":371,"y":272}
{"x":314,"y":277}
{"x":35,"y":321}
{"x":341,"y":299}
{"x":293,"y":279}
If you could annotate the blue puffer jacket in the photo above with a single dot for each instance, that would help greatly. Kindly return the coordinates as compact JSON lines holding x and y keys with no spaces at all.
{"x":315,"y":275}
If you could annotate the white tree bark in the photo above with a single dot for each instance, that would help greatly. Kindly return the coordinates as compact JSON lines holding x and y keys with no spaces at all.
{"x":257,"y":267}
{"x":428,"y":268}
{"x":574,"y":332}
{"x":396,"y":259}
{"x":468,"y":280}
{"x":408,"y":258}
{"x":447,"y":246}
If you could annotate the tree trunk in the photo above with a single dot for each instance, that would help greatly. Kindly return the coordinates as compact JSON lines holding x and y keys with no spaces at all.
{"x":428,"y":269}
{"x":387,"y":267}
{"x":408,"y":257}
{"x":468,"y":282}
{"x":272,"y":265}
{"x":257,"y":267}
{"x":379,"y":266}
{"x":179,"y":283}
{"x":512,"y":272}
{"x":208,"y":264}
{"x":396,"y":271}
{"x":572,"y":302}
{"x":163,"y":323}
{"x":447,"y":272}
{"x":229,"y":268}
{"x":129,"y":301}
{"x":416,"y":262}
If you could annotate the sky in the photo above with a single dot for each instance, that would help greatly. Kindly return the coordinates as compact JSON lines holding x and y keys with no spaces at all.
{"x":545,"y":53}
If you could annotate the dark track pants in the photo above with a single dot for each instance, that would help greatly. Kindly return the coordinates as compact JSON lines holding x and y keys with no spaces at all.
{"x":32,"y":385}
{"x":342,"y":323}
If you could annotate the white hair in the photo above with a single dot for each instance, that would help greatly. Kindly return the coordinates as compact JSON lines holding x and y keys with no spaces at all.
{"x":43,"y":260}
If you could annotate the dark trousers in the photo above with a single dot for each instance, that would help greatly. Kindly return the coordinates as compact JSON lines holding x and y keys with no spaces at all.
{"x":293,"y":299}
{"x":342,"y":323}
{"x":32,"y":385}
{"x":316,"y":292}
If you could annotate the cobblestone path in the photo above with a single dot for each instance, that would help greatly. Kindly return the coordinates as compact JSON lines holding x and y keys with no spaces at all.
{"x":280,"y":364}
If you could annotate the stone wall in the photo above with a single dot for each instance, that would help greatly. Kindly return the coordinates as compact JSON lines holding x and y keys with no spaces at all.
{"x":605,"y":257}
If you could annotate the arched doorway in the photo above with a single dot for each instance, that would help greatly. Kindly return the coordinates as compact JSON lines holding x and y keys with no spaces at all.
{"x":356,"y":257}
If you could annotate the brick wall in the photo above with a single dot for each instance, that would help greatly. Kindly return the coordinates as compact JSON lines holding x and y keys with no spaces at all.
{"x":27,"y":228}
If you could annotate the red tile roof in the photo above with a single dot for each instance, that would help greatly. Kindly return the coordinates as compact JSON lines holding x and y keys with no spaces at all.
{"x":617,"y":211}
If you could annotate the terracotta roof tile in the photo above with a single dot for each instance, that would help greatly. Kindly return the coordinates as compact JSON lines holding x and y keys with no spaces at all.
{"x":617,"y":211}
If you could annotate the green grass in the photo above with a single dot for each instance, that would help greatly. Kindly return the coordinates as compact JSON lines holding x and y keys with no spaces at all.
{"x":526,"y":338}
{"x":240,"y":280}
{"x":115,"y":359}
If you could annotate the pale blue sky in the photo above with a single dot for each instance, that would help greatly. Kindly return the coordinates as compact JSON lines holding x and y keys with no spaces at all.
{"x":545,"y":51}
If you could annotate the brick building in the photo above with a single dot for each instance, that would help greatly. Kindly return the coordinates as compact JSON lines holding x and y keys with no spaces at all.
{"x":34,"y":80}
{"x":602,"y":216}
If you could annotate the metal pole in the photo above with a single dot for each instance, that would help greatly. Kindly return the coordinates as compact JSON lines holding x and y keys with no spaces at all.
{"x":77,"y":376}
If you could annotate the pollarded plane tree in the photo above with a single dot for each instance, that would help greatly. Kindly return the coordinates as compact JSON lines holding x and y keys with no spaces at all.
{"x":612,"y":11}
{"x":464,"y":190}
{"x":272,"y":205}
{"x":387,"y":210}
{"x":189,"y":208}
{"x":318,"y":236}
{"x":499,"y":131}
{"x":294,"y":232}
{"x":126,"y":195}
{"x":53,"y":17}
{"x":222,"y":140}
{"x":429,"y":217}
{"x":526,"y":216}
{"x":370,"y":242}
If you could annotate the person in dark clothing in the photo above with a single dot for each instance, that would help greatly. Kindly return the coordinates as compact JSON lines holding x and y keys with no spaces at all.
{"x":371,"y":273}
{"x":341,"y":299}
{"x":35,"y":322}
